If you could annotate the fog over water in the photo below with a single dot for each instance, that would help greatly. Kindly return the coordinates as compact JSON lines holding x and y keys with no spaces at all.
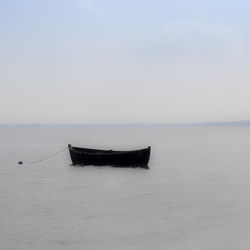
{"x":194,"y":196}
{"x":125,"y":62}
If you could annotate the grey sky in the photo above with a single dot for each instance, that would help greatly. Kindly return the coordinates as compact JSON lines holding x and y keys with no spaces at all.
{"x":84,"y":61}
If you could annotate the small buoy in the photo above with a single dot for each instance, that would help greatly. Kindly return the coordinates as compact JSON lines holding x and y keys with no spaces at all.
{"x":20,"y":162}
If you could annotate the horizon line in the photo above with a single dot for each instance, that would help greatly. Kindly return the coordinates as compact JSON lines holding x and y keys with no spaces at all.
{"x":220,"y":123}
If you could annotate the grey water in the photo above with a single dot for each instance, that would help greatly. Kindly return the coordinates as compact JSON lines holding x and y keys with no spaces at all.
{"x":196,"y":194}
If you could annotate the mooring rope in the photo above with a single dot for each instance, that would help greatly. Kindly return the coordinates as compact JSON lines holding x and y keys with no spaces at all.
{"x":45,"y":158}
{"x":49,"y":156}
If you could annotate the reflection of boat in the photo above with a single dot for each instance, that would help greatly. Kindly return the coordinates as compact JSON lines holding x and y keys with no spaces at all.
{"x":86,"y":156}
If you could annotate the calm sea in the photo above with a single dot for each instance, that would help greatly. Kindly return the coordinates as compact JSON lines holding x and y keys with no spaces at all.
{"x":196,"y":194}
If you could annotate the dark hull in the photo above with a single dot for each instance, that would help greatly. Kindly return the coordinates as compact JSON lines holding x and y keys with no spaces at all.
{"x":96,"y":157}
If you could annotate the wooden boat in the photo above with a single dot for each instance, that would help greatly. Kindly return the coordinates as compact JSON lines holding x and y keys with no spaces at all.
{"x":97,"y":157}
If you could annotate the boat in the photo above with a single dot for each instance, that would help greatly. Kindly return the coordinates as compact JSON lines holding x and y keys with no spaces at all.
{"x":98,"y":157}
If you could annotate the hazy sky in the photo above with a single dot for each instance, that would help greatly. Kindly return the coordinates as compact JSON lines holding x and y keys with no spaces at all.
{"x":111,"y":61}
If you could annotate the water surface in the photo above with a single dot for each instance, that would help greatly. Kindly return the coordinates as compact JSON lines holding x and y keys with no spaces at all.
{"x":194,"y":196}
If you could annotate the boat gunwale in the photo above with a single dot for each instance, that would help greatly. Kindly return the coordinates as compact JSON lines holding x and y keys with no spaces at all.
{"x":100,"y":151}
